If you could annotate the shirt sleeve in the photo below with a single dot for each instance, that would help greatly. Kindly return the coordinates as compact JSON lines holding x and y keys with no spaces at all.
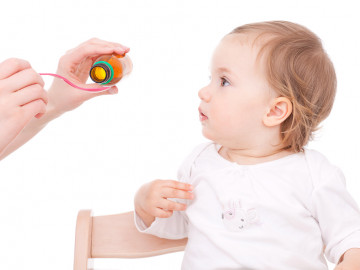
{"x":174,"y":227}
{"x":336,"y":211}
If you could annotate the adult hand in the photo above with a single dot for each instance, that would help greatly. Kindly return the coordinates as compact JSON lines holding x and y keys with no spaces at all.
{"x":75,"y":66}
{"x":22,"y":97}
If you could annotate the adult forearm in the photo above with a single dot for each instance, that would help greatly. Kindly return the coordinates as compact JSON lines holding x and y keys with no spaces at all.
{"x":31,"y":129}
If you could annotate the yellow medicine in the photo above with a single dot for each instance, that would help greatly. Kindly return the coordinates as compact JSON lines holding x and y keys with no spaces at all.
{"x":98,"y":73}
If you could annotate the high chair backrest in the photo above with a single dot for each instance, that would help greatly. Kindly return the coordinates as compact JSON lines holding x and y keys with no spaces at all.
{"x":115,"y":236}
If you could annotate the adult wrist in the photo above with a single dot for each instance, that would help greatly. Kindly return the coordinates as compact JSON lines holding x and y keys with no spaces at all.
{"x":50,"y":114}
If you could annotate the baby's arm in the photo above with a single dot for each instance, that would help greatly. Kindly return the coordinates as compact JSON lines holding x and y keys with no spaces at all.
{"x":336,"y":212}
{"x":75,"y":66}
{"x":350,"y":260}
{"x":151,"y":200}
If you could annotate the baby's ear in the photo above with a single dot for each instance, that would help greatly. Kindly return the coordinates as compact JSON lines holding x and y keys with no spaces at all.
{"x":280,"y":109}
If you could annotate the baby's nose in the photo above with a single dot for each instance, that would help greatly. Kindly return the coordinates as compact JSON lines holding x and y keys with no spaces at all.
{"x":204,"y":94}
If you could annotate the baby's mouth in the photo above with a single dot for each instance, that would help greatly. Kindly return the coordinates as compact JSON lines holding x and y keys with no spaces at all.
{"x":202,"y":116}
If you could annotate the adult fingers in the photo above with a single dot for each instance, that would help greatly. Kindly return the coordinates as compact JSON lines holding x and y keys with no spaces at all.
{"x":30,"y":93}
{"x":34,"y":108}
{"x":91,"y":48}
{"x":100,"y":42}
{"x":39,"y":115}
{"x":11,"y":66}
{"x":90,"y":94}
{"x":111,"y":91}
{"x":23,"y":79}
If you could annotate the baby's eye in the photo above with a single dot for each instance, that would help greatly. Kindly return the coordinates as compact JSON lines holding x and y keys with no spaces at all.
{"x":224,"y":82}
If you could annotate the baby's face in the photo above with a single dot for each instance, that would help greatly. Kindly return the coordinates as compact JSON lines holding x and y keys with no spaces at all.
{"x":236,"y":99}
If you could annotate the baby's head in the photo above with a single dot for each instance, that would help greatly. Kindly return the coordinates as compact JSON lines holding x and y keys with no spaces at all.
{"x":272,"y":82}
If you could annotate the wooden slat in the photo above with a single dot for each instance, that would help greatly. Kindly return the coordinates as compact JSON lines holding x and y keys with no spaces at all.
{"x":115,"y":236}
{"x":83,"y":240}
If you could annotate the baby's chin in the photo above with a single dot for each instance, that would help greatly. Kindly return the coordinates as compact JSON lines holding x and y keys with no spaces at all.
{"x":221,"y":139}
{"x":208,"y":135}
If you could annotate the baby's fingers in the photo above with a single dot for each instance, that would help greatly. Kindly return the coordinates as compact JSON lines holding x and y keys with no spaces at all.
{"x":159,"y":211}
{"x":162,"y":213}
{"x":172,"y":206}
{"x":177,"y":185}
{"x":176,"y":193}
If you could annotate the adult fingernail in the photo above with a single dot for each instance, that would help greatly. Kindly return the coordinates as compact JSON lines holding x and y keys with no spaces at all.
{"x":39,"y":115}
{"x":119,"y":50}
{"x":113,"y":90}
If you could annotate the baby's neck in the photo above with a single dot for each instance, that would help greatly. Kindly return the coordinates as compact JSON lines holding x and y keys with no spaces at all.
{"x":253,"y":156}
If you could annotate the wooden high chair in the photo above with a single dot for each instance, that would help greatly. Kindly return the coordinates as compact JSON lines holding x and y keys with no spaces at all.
{"x":115,"y":236}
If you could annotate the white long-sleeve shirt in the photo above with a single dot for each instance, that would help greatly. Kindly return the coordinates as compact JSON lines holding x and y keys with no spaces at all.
{"x":282,"y":214}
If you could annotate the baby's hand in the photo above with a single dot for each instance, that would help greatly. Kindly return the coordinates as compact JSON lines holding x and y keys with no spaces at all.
{"x":350,"y":260}
{"x":151,"y":200}
{"x":75,"y":66}
{"x":22,"y":97}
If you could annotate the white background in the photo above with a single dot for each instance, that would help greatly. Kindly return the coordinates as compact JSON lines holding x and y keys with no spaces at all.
{"x":97,"y":156}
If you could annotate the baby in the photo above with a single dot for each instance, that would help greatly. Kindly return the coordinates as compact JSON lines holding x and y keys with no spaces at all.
{"x":254,"y":197}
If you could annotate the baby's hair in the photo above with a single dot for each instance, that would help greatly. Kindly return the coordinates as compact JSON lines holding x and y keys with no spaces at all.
{"x":299,"y":69}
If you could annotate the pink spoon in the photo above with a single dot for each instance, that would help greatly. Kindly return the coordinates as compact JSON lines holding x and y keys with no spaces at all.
{"x":74,"y":85}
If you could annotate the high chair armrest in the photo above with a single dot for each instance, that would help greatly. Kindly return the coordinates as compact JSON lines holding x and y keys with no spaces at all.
{"x":115,"y":236}
{"x":83,"y":236}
